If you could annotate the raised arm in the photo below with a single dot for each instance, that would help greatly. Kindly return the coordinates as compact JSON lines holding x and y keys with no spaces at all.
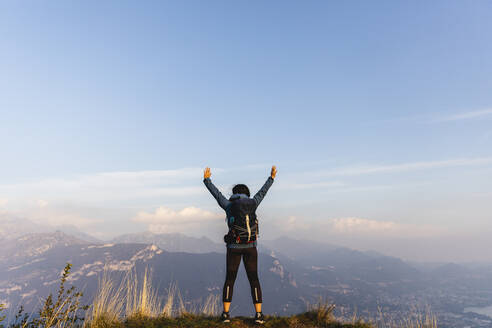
{"x":263,"y":191}
{"x":221,"y":200}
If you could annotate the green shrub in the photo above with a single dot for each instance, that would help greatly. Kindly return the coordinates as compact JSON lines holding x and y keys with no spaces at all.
{"x":2,"y":317}
{"x":62,"y":312}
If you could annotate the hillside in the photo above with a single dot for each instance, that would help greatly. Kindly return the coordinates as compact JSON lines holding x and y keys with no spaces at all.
{"x":134,"y":302}
{"x":34,"y":271}
{"x":357,"y":282}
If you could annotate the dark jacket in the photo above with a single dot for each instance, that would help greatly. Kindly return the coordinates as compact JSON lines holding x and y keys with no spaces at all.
{"x":226,"y":203}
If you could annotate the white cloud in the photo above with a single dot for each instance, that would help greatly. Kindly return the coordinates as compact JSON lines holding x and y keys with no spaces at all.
{"x":410,"y":241}
{"x":3,"y":202}
{"x":293,"y":223}
{"x":131,"y":188}
{"x":114,"y":180}
{"x":467,"y":115}
{"x":149,"y":176}
{"x":56,"y":217}
{"x":86,"y":200}
{"x":412,"y":166}
{"x":353,"y":226}
{"x":359,"y":225}
{"x":110,"y":186}
{"x":377,"y":228}
{"x":115,"y":186}
{"x":310,"y":185}
{"x":164,"y":219}
{"x":42,"y":203}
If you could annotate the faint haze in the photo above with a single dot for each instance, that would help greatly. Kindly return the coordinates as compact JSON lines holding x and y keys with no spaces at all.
{"x":377,"y":114}
{"x":394,"y":218}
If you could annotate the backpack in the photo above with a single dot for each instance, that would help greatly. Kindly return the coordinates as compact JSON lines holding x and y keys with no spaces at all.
{"x":243,"y":223}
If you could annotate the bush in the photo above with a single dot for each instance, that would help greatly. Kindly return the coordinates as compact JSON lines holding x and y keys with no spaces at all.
{"x":63,"y":312}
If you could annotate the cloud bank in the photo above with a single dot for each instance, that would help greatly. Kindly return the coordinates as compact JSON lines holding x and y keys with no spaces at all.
{"x":189,"y":219}
{"x":111,"y":203}
{"x":359,"y":227}
{"x":424,"y":242}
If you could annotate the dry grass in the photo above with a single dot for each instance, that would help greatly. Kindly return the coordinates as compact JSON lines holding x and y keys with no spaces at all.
{"x":136,"y":299}
{"x":107,"y":307}
{"x":174,"y":305}
{"x":212,"y":305}
{"x":134,"y":303}
{"x":415,"y":319}
{"x":427,"y":320}
{"x":322,"y":311}
{"x":142,"y":300}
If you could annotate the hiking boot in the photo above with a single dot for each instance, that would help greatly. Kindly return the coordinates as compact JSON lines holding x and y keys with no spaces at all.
{"x":259,"y":318}
{"x":225,"y":317}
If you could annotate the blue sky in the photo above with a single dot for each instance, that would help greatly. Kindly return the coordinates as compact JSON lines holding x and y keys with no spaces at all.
{"x":379,"y":111}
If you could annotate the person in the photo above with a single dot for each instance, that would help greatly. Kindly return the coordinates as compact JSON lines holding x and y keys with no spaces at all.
{"x":241,"y":238}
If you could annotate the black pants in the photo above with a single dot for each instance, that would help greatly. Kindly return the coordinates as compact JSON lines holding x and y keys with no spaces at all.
{"x":250,"y":259}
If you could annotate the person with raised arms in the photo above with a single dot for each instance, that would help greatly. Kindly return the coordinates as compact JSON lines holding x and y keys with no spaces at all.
{"x":241,"y":239}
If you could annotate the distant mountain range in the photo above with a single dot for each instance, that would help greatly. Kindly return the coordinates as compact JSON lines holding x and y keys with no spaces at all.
{"x":293,"y":273}
{"x":34,"y":245}
{"x":32,"y":268}
{"x":173,"y":242}
{"x":12,"y":226}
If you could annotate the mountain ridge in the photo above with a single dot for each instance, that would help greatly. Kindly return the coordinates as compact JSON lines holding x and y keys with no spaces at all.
{"x":172,"y":242}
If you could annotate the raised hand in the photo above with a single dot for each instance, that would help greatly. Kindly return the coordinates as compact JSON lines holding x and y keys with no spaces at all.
{"x":274,"y":172}
{"x":207,"y":174}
